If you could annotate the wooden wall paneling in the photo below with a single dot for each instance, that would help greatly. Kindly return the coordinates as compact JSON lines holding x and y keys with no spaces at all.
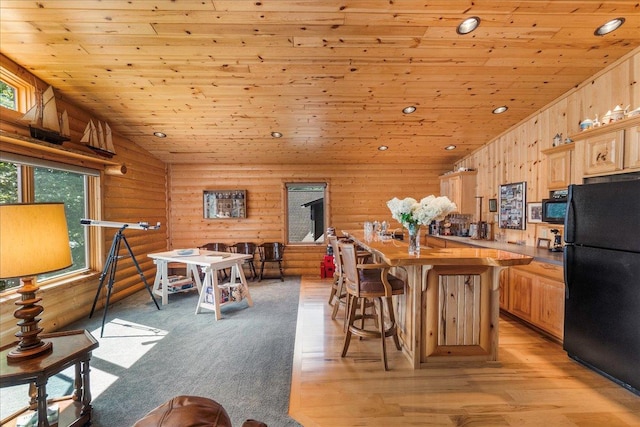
{"x":357,"y":193}
{"x":139,"y":195}
{"x":634,"y":72}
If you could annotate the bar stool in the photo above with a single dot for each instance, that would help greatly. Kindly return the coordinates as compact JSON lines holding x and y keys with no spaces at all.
{"x":337,"y":296}
{"x":373,"y":282}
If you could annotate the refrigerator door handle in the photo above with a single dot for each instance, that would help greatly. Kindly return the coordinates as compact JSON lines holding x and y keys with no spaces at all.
{"x":570,"y":218}
{"x":568,"y":268}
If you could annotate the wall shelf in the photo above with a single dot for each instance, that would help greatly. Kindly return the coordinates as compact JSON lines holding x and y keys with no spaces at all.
{"x":25,"y":141}
{"x":611,"y":127}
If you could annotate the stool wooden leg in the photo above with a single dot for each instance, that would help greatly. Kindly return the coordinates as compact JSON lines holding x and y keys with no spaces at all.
{"x":351,"y":318}
{"x":383,"y":334}
{"x":392,"y":319}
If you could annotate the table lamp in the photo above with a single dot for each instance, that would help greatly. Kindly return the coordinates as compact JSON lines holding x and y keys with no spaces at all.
{"x":33,"y":240}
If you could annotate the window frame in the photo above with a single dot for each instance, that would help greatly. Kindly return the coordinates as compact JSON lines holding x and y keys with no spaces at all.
{"x":285,"y":211}
{"x":26,"y":194}
{"x":25,"y":92}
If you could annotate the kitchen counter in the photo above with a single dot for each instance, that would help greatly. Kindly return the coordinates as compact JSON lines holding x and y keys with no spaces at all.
{"x":538,"y":254}
{"x":450,"y":308}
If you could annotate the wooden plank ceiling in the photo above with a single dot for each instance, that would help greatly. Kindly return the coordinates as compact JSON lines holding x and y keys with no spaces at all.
{"x":332,"y":76}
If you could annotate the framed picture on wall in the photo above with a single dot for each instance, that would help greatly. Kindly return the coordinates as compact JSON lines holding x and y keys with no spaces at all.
{"x":512,"y":206}
{"x":534,"y":212}
{"x":225,"y":204}
{"x":493,"y":205}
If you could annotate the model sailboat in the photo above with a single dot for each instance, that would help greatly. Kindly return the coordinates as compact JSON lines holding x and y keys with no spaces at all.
{"x":44,"y":122}
{"x":97,"y":136}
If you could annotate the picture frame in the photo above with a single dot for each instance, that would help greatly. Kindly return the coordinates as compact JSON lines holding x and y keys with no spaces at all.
{"x":543,"y":243}
{"x":534,"y":212}
{"x":225,"y":204}
{"x":493,"y":205}
{"x":513,"y":199}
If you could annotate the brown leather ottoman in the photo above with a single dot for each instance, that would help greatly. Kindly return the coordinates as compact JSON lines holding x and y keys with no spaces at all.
{"x":190,"y":411}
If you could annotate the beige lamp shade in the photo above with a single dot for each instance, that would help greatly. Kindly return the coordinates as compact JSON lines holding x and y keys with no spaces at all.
{"x":34,"y":239}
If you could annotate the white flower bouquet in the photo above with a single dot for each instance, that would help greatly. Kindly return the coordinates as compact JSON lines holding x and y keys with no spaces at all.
{"x":410,"y":212}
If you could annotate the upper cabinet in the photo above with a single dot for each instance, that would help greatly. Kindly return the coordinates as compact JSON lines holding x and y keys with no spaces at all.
{"x":460,"y":188}
{"x":603,"y":153}
{"x":610,"y":149}
{"x":559,"y":163}
{"x":632,"y":148}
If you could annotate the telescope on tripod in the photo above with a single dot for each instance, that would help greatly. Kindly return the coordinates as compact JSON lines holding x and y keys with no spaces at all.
{"x":111,"y":263}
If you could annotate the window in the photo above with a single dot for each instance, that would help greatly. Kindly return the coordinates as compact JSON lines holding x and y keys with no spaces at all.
{"x":15,"y":93}
{"x":8,"y":96}
{"x":32,"y":180}
{"x":306,"y":207}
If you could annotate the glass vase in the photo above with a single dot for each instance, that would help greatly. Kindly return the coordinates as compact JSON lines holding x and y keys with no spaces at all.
{"x":414,"y":239}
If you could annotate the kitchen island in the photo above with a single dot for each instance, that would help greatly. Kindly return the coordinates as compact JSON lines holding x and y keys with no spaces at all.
{"x":450,"y":308}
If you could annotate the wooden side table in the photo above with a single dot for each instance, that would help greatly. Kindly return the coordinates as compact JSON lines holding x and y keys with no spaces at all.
{"x":69,"y":348}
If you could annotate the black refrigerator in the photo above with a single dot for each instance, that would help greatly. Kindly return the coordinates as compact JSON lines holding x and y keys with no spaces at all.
{"x":602,"y":279}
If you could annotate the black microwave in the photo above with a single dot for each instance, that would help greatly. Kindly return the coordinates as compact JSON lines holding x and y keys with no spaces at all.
{"x":554,"y":210}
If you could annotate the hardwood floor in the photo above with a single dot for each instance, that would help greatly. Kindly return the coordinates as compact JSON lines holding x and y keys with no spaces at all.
{"x":533,"y":384}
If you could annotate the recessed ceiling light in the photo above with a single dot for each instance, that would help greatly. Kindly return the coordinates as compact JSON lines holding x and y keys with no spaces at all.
{"x":468,"y":25}
{"x":500,"y":110}
{"x":408,"y":110}
{"x":276,"y":134}
{"x":608,"y":27}
{"x":160,"y":134}
{"x":450,"y":147}
{"x":383,"y":148}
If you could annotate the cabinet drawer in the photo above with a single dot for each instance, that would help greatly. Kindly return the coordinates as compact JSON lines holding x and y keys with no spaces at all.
{"x":550,"y":271}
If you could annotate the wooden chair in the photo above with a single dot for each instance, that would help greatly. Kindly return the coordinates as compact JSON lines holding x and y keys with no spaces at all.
{"x":372,"y":282}
{"x":271,"y":252}
{"x":247,"y":248}
{"x":337,"y":296}
{"x":219,"y":247}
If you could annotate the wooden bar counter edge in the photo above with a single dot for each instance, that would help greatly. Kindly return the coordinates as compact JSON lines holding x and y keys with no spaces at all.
{"x":450,"y":309}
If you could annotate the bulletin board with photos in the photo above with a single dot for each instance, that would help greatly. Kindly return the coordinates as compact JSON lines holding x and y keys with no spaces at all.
{"x":513,"y":206}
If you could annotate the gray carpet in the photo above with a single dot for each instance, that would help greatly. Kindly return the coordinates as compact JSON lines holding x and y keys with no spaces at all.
{"x":148,"y":356}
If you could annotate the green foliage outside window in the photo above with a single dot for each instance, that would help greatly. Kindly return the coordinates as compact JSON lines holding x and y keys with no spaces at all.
{"x":8,"y":183}
{"x":8,"y":96}
{"x":51,"y":185}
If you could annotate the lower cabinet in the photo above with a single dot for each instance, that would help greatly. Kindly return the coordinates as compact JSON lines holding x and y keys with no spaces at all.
{"x":536,"y":295}
{"x":533,"y":293}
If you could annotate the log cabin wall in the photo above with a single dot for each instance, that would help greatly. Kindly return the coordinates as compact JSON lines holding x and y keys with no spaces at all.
{"x":357,"y":193}
{"x":517,"y":156}
{"x":139,"y":195}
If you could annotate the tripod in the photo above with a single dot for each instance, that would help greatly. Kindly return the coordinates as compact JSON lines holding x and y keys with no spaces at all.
{"x":110,"y":270}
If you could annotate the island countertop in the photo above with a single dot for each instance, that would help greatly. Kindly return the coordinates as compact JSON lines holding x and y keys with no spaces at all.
{"x":395,"y":253}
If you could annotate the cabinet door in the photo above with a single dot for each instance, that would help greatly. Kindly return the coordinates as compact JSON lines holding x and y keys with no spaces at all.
{"x":548,"y":306}
{"x":559,"y":176}
{"x":504,"y":289}
{"x":520,"y":293}
{"x":632,"y":148}
{"x":460,"y":188}
{"x":452,"y":188}
{"x":604,"y":153}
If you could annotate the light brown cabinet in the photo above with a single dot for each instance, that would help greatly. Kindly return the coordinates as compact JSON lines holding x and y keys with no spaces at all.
{"x":536,"y":294}
{"x":604,"y":153}
{"x":610,"y":149}
{"x":632,"y":148}
{"x":559,"y":165}
{"x":460,"y":188}
{"x":533,"y":292}
{"x":504,"y":289}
